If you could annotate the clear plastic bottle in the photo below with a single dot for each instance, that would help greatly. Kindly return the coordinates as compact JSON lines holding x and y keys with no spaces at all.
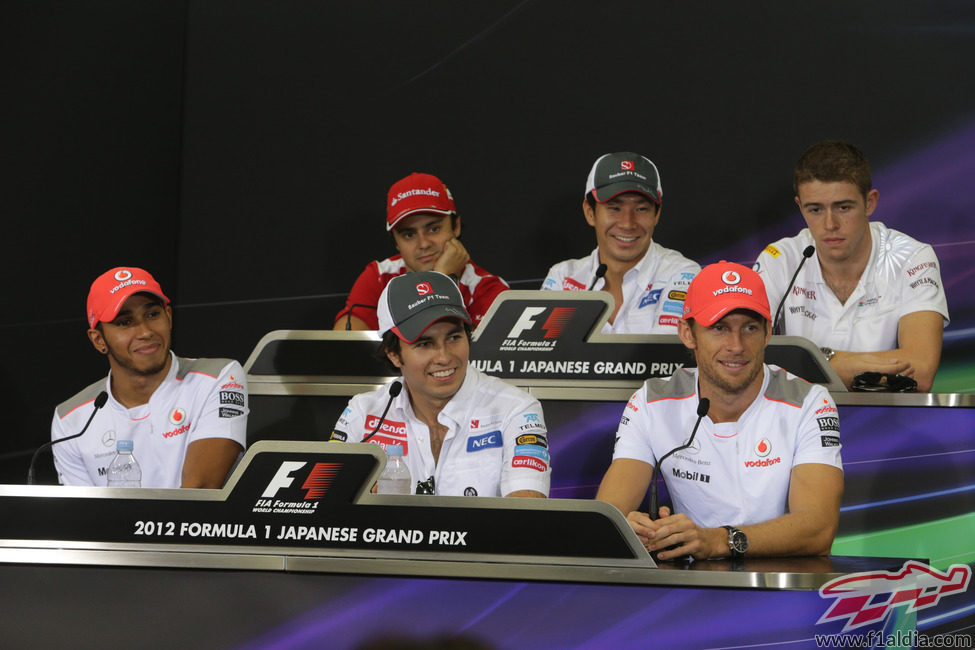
{"x":395,"y":478}
{"x":124,"y":470}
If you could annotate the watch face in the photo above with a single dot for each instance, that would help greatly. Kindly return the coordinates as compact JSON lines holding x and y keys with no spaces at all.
{"x":739,"y":542}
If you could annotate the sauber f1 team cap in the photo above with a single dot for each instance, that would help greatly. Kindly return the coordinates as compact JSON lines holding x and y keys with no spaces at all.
{"x":113,"y":287}
{"x":624,"y":171}
{"x":724,"y":287}
{"x":417,"y":193}
{"x":412,"y":302}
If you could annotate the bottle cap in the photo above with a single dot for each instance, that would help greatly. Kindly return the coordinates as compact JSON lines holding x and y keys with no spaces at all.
{"x":394,"y":450}
{"x":124,"y":445}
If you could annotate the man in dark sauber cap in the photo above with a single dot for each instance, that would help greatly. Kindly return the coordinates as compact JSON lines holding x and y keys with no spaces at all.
{"x":463,"y":433}
{"x":622,"y":204}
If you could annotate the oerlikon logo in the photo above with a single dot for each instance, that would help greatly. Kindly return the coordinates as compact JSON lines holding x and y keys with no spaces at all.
{"x":868,"y":597}
{"x":319,"y":479}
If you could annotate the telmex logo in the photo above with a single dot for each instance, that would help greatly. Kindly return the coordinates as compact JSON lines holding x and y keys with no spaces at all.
{"x":319,"y":479}
{"x":916,"y":584}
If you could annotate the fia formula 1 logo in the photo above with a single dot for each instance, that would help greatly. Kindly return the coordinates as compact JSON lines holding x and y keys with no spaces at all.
{"x":868,"y":597}
{"x":281,"y":496}
{"x":553,"y":326}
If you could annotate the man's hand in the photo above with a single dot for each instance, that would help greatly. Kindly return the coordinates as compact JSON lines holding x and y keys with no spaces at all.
{"x":674,"y":530}
{"x":453,"y":258}
{"x":849,"y":364}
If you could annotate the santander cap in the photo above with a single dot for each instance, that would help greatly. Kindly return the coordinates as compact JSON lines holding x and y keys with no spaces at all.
{"x":113,"y":287}
{"x":412,"y":302}
{"x":724,"y":287}
{"x":417,"y":193}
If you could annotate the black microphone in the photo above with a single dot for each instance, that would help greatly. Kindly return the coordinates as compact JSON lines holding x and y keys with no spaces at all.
{"x":394,"y":390}
{"x":348,"y":321}
{"x":806,"y":254}
{"x":702,"y":410}
{"x":600,"y":272}
{"x":99,"y":402}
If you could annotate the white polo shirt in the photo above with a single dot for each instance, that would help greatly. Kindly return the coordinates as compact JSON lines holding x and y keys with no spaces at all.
{"x":653,"y":290}
{"x":735,"y":473}
{"x":901,"y":277}
{"x":199,"y":398}
{"x":496,"y":441}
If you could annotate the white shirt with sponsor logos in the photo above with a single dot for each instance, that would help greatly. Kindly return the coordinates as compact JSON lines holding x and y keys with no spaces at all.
{"x":653,"y":290}
{"x":199,"y":398}
{"x":735,"y":473}
{"x":496,"y":441}
{"x":902,"y":277}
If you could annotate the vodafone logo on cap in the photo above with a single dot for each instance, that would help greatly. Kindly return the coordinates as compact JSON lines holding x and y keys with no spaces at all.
{"x":123,"y":275}
{"x":424,"y":288}
{"x":763,"y":448}
{"x":730,"y":277}
{"x":627,"y":165}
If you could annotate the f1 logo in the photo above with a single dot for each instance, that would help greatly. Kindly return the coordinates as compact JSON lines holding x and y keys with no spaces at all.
{"x":525,"y":322}
{"x":319,"y":479}
{"x":282,"y":478}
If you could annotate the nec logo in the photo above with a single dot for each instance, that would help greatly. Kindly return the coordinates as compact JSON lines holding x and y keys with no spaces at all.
{"x":553,"y":326}
{"x":485,"y":441}
{"x":319,"y":479}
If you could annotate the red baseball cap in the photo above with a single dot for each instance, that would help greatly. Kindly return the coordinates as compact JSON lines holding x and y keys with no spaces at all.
{"x":417,"y":193}
{"x":113,"y":287}
{"x":724,"y":287}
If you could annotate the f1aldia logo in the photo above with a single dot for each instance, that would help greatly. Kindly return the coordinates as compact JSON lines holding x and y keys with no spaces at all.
{"x":869,"y":597}
{"x":319,"y":479}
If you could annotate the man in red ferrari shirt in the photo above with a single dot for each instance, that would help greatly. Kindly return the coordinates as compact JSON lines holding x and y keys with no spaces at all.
{"x":423,"y":222}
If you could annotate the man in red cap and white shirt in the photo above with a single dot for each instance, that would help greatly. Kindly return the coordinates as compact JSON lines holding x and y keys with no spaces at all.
{"x":763,"y":473}
{"x":647,"y":280}
{"x":422,"y":220}
{"x":187,"y":418}
{"x":463,"y":433}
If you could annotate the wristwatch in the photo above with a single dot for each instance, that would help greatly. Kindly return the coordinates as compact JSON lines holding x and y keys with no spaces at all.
{"x":737,"y":542}
{"x":828,"y":352}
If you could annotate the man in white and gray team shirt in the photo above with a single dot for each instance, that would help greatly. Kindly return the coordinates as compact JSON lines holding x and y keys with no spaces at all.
{"x":871,"y":297}
{"x":187,"y":418}
{"x":647,"y":281}
{"x":463,"y":433}
{"x":763,"y":474}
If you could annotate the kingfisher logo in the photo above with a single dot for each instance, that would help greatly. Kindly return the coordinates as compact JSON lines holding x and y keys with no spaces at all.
{"x":869,"y":597}
{"x":281,"y":497}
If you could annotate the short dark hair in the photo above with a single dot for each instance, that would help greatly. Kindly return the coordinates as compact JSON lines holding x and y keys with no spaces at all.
{"x":391,"y":343}
{"x":832,"y":161}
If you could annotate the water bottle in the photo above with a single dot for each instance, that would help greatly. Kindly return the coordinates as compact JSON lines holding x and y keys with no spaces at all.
{"x":395,"y":479}
{"x":124,"y":470}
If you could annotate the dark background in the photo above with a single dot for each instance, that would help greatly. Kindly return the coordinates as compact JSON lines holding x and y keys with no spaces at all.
{"x":241,"y":150}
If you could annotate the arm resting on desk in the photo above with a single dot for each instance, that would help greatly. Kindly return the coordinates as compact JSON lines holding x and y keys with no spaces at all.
{"x":208,"y":461}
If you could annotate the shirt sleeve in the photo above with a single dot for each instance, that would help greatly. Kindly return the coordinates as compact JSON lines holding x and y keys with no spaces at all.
{"x":488,"y":287}
{"x":67,"y":458}
{"x":921,"y":285}
{"x":633,"y":433}
{"x":553,"y":281}
{"x":224,"y":410}
{"x":526,"y":460}
{"x":768,"y":266}
{"x":365,"y":291}
{"x":674,"y":295}
{"x":818,"y":435}
{"x":349,"y":427}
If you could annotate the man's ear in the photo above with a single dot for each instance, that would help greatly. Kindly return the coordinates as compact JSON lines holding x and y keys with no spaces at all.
{"x":97,"y":340}
{"x":686,"y":334}
{"x":589,"y":213}
{"x":394,"y":358}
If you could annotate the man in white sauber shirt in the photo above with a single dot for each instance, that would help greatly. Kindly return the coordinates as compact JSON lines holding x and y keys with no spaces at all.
{"x":463,"y":433}
{"x":187,"y":418}
{"x":871,"y":297}
{"x":763,"y":475}
{"x":647,"y":281}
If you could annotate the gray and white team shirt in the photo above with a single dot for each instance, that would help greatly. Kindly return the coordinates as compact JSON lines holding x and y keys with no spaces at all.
{"x":199,"y":398}
{"x":653,"y":290}
{"x":735,"y":472}
{"x":901,"y":277}
{"x":496,"y":441}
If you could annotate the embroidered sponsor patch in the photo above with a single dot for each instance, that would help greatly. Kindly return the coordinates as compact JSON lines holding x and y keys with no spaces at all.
{"x":532,"y":439}
{"x":528,"y":461}
{"x":532,"y":450}
{"x":650,"y":298}
{"x":677,"y":295}
{"x":830,"y":441}
{"x":229,"y":413}
{"x":231,"y":397}
{"x":339,"y":436}
{"x":772,"y":250}
{"x":828,"y":424}
{"x":488,"y":440}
